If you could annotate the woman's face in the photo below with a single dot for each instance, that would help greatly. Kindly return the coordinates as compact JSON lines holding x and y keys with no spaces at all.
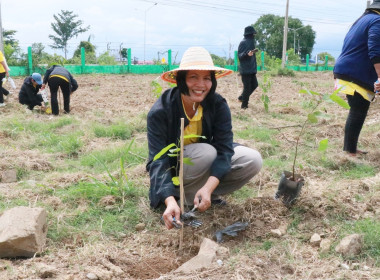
{"x":199,"y":84}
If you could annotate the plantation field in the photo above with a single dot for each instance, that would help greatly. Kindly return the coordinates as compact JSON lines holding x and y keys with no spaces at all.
{"x":87,"y":169}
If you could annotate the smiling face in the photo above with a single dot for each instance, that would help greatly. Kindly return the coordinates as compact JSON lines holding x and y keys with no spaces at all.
{"x":199,"y":84}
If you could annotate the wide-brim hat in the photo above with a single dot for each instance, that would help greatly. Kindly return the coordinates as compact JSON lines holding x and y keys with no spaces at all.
{"x":375,"y":5}
{"x":195,"y":58}
{"x":249,"y":30}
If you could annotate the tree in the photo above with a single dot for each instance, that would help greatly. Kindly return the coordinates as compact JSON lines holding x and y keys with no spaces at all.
{"x":66,"y":28}
{"x":322,"y":56}
{"x":12,"y":51}
{"x":89,"y":51}
{"x":270,"y":34}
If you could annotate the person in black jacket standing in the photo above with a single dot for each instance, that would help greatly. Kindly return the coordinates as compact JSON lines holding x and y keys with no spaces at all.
{"x":58,"y":77}
{"x":248,"y":66}
{"x":28,"y":94}
{"x":219,"y":165}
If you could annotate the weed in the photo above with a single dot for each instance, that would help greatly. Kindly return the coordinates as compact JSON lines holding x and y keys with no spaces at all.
{"x":265,"y":85}
{"x":370,"y":229}
{"x":116,"y":131}
{"x":156,"y":88}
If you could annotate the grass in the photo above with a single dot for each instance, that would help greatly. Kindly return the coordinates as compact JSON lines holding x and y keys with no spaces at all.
{"x":370,"y":229}
{"x":121,"y":131}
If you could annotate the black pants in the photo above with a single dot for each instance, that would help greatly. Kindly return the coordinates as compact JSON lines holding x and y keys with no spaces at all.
{"x":250,"y":84}
{"x":54,"y":84}
{"x":355,"y":120}
{"x":24,"y":100}
{"x":3,"y":91}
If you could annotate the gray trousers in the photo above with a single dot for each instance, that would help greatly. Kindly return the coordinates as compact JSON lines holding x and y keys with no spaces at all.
{"x":245,"y":164}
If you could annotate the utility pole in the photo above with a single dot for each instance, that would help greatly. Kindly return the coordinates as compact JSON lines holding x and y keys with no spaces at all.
{"x":285,"y":35}
{"x":1,"y":33}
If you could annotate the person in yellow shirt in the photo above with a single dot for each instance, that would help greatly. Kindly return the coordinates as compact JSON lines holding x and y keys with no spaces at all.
{"x":4,"y":72}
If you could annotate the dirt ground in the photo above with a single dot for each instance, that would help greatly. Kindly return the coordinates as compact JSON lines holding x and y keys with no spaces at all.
{"x":154,"y":254}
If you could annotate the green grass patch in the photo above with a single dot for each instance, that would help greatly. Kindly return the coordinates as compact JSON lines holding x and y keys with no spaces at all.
{"x":370,"y":229}
{"x":116,"y":131}
{"x":259,"y":134}
{"x":69,"y":144}
{"x":111,"y":157}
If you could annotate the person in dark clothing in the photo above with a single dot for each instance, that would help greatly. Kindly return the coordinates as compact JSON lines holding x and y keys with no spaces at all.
{"x":219,"y":166}
{"x":28,"y":94}
{"x":248,"y":66}
{"x":356,"y":72}
{"x":58,"y":77}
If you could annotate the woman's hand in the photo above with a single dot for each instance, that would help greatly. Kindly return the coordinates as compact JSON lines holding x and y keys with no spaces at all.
{"x":202,"y":198}
{"x":172,"y":210}
{"x":377,"y":86}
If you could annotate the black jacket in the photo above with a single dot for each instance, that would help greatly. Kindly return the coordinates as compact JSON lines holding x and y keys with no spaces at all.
{"x":61,"y":71}
{"x":28,"y":93}
{"x":247,"y":63}
{"x":164,"y":121}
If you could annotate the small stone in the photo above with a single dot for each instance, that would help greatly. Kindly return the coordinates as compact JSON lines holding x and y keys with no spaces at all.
{"x":283,"y":228}
{"x":9,"y":176}
{"x":315,"y":239}
{"x":325,"y":245}
{"x":351,"y":245}
{"x":91,"y":276}
{"x":365,"y":268}
{"x":140,"y":227}
{"x":276,"y":232}
{"x":345,"y":266}
{"x":355,"y":266}
{"x":219,"y":262}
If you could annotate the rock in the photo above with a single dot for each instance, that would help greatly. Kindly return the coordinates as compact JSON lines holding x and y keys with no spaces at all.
{"x":22,"y":232}
{"x":46,"y":271}
{"x":222,"y":252}
{"x":283,"y":228}
{"x":206,"y":256}
{"x":92,"y":276}
{"x":219,"y":262}
{"x":276,"y":232}
{"x":140,"y":227}
{"x":365,"y":268}
{"x":345,"y":266}
{"x":9,"y":176}
{"x":113,"y":268}
{"x":315,"y":239}
{"x":325,"y":245}
{"x":350,"y":246}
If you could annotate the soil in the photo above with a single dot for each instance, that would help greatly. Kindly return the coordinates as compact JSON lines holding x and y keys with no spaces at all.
{"x":254,"y":253}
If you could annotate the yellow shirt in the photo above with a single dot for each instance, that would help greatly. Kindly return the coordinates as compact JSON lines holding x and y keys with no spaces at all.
{"x":194,"y":126}
{"x":350,"y":88}
{"x":2,"y":70}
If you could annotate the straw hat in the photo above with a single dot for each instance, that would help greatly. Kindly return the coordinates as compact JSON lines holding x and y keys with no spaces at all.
{"x":195,"y":58}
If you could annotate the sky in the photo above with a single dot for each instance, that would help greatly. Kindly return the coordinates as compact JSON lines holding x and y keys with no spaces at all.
{"x":151,"y":27}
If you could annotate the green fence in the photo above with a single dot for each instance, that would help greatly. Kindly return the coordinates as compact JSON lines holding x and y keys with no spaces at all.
{"x":144,"y":69}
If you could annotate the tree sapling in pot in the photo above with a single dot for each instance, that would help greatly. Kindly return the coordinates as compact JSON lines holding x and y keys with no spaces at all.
{"x":290,"y":184}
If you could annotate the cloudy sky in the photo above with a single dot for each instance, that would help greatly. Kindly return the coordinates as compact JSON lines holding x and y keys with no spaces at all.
{"x":150,"y":29}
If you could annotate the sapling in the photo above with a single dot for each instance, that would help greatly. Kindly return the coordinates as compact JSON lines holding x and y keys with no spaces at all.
{"x":291,"y":183}
{"x":266,"y":85}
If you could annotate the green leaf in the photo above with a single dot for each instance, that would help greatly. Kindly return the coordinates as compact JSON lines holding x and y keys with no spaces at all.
{"x":163,"y":151}
{"x":174,"y":150}
{"x":323,"y":144}
{"x":339,"y":100}
{"x":175,"y":180}
{"x":312,"y":118}
{"x":266,"y":99}
{"x":187,"y":160}
{"x":309,"y":92}
{"x":193,"y":136}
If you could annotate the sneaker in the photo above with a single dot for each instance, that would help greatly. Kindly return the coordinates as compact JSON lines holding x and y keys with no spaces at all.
{"x":2,"y":104}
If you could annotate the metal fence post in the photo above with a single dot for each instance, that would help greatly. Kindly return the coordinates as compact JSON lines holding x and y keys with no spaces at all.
{"x":262,"y":60}
{"x":30,"y":60}
{"x":83,"y":58}
{"x":129,"y":60}
{"x":235,"y":60}
{"x":170,"y":59}
{"x":326,"y":62}
{"x":307,"y":62}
